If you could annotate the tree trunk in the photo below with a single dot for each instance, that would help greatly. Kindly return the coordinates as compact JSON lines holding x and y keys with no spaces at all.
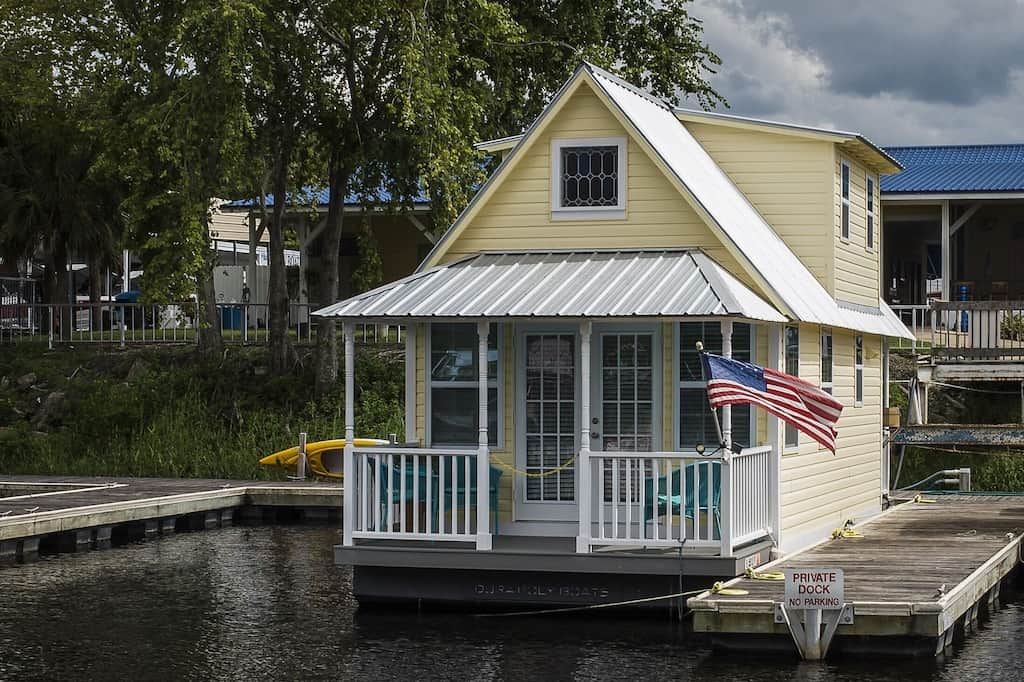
{"x":57,"y":293}
{"x":95,"y":279}
{"x":210,"y":340}
{"x":281,"y":351}
{"x":326,"y":371}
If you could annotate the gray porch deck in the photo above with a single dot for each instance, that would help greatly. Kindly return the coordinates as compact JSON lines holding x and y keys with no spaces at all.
{"x":533,"y":571}
{"x":550,"y":554}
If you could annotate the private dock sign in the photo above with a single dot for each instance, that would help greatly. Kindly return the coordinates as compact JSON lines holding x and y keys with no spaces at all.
{"x":814,"y":588}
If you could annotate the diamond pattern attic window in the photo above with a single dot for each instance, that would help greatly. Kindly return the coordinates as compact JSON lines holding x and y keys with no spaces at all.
{"x":590,"y":176}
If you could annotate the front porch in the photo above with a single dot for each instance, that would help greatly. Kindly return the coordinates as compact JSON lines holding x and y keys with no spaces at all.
{"x":554,"y":417}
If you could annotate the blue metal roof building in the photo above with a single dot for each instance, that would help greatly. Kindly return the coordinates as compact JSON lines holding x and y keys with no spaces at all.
{"x":957,"y":169}
{"x":320,"y":196}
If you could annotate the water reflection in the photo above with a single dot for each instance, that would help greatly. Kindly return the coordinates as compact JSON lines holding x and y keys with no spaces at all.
{"x":267,"y":603}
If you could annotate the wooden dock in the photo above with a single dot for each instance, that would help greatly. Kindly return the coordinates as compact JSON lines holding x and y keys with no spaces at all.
{"x":922,"y":574}
{"x":41,"y":513}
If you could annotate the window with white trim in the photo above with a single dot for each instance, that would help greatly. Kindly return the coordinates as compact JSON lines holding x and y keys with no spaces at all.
{"x":826,"y":361}
{"x":588,"y":178}
{"x":859,"y":371}
{"x":453,"y":402}
{"x":844,"y":228}
{"x":696,"y":425}
{"x":870,"y":211}
{"x":793,"y":369}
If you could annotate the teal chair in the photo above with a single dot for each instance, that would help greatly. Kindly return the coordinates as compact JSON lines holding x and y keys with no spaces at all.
{"x":677,"y":499}
{"x":454,"y":481}
{"x":461,"y":489}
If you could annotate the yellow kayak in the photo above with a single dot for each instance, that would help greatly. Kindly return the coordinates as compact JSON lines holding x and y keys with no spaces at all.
{"x":323,"y":457}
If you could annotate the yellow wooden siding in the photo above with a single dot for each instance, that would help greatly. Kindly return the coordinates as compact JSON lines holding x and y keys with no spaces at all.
{"x":857,"y":278}
{"x":761,"y":333}
{"x":518,"y":214}
{"x":504,"y":457}
{"x":821,"y":491}
{"x":668,"y":386}
{"x":787,"y":179}
{"x":421,"y":383}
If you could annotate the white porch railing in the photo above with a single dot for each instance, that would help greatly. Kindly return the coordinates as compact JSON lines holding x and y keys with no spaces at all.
{"x":418,"y":494}
{"x":918,"y":319}
{"x":664,"y":499}
{"x":751,"y":497}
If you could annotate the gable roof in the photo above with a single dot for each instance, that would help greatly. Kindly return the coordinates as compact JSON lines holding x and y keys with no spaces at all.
{"x":783,"y":278}
{"x":554,"y":284}
{"x":953,"y":169}
{"x":855,"y":144}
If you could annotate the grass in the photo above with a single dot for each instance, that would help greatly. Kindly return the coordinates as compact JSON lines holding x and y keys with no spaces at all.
{"x":168,"y":412}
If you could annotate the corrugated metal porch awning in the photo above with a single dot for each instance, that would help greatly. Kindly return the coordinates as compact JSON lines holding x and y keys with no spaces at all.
{"x":552,"y":284}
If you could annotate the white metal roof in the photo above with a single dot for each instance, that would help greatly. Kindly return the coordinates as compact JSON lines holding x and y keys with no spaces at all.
{"x":571,"y":284}
{"x":781,"y":272}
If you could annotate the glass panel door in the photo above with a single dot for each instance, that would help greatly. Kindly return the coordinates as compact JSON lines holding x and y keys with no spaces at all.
{"x":626,"y":394}
{"x":548,"y":448}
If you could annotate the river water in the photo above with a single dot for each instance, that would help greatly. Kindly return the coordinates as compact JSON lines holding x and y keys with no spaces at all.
{"x":266,"y":603}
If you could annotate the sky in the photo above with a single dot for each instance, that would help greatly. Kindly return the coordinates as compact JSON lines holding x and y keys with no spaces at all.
{"x":900,"y":72}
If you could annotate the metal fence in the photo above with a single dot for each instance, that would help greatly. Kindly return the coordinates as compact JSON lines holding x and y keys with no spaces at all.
{"x":127,"y":324}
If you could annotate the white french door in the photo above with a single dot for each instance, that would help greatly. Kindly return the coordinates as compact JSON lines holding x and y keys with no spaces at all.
{"x":626,"y":407}
{"x":546,"y":424}
{"x":626,"y":390}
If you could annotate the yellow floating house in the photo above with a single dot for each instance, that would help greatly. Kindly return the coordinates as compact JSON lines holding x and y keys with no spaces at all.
{"x":560,"y":445}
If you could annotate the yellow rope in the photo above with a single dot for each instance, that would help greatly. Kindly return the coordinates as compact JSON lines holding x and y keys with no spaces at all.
{"x":720,"y":588}
{"x":547,"y":472}
{"x":846,"y":533}
{"x":764,"y":575}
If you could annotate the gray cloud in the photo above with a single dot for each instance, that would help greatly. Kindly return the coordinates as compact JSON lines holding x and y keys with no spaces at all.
{"x":904,"y":72}
{"x":955,"y":52}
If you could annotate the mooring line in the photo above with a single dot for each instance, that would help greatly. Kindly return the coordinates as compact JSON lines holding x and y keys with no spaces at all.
{"x":589,"y":607}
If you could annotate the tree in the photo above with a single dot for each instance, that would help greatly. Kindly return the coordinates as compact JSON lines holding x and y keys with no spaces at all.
{"x":411,"y":85}
{"x":174,"y":78}
{"x":57,"y":196}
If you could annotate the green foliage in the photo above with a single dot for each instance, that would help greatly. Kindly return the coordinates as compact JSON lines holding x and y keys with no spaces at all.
{"x":1012,"y":327}
{"x":989,"y":472}
{"x":181,"y":414}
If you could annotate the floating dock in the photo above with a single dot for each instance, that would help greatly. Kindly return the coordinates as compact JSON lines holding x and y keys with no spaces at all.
{"x":921,"y":575}
{"x":51,"y":514}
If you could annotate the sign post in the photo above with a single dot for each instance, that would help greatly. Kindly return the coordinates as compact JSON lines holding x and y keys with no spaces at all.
{"x":813,"y":596}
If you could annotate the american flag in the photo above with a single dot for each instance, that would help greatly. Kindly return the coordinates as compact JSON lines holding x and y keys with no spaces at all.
{"x":793,"y":400}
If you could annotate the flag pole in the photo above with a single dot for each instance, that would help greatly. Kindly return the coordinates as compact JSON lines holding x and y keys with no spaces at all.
{"x":714,"y":412}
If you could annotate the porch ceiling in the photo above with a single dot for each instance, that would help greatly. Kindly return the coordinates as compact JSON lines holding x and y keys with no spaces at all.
{"x":571,"y":284}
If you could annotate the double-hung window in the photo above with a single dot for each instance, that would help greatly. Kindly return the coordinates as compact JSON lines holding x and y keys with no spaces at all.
{"x":826,"y":361}
{"x":870,"y":211}
{"x":844,"y":226}
{"x":588,"y":178}
{"x":792,"y":368}
{"x":453,"y":405}
{"x":859,"y":371}
{"x":696,"y":425}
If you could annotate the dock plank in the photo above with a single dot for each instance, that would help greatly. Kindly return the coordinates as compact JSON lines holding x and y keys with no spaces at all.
{"x":105,"y":501}
{"x":925,"y":555}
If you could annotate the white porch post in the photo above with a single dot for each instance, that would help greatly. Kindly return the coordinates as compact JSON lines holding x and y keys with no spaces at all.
{"x":349,"y":499}
{"x":776,"y":432}
{"x":583,"y":460}
{"x":483,"y":465}
{"x":946,"y":255}
{"x":725,"y":495}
